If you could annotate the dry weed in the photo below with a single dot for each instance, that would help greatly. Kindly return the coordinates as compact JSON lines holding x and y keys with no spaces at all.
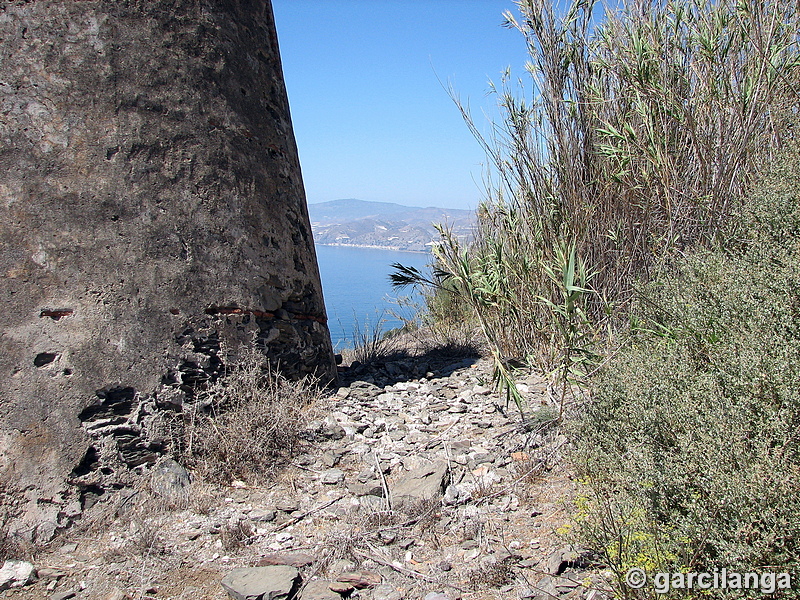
{"x":483,"y":488}
{"x":383,"y":519}
{"x":146,"y":539}
{"x":472,"y":529}
{"x":341,"y":544}
{"x":372,"y":343}
{"x":370,"y":527}
{"x":492,"y":575}
{"x":10,"y":547}
{"x":236,"y":536}
{"x":422,"y":513}
{"x":246,"y":424}
{"x":527,"y":473}
{"x":203,"y":497}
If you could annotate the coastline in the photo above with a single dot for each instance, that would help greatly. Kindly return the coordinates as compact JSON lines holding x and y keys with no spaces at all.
{"x":374,"y":247}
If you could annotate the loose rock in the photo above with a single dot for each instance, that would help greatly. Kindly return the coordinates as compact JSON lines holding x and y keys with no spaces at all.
{"x":386,"y":592}
{"x":170,"y":481}
{"x":332,"y":476}
{"x":319,"y":590}
{"x":423,"y":483}
{"x":261,"y":583}
{"x":341,"y":587}
{"x":361,"y":579}
{"x":16,"y":573}
{"x":292,"y":559}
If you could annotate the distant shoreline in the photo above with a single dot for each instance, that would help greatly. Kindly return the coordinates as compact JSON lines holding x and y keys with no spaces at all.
{"x":374,"y":247}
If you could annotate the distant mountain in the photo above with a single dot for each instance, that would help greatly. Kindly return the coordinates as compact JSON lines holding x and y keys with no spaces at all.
{"x":351,"y":222}
{"x":344,"y":211}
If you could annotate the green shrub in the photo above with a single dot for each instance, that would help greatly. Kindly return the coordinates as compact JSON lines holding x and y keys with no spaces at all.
{"x":690,"y":449}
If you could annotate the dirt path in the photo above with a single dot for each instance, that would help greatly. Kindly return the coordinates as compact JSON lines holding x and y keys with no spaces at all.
{"x":419,"y":480}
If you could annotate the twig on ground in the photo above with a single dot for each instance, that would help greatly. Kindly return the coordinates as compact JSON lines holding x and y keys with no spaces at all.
{"x":407,"y":572}
{"x":432,"y":442}
{"x":384,"y":484}
{"x":305,"y":514}
{"x":302,"y":468}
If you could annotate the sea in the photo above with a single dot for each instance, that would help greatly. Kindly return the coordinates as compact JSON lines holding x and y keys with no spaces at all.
{"x":358,"y":295}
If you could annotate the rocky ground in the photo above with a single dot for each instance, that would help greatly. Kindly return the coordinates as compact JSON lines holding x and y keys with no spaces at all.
{"x":419,"y":482}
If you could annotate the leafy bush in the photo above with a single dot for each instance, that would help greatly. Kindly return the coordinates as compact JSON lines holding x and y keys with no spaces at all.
{"x":690,"y":449}
{"x":247,"y":423}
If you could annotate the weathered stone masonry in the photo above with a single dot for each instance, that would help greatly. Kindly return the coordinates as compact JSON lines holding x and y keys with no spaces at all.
{"x":152,"y":215}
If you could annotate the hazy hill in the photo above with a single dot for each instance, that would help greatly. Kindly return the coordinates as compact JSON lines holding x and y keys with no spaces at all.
{"x":355,"y":222}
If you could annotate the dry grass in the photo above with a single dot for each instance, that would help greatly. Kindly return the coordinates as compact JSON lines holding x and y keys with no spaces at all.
{"x":146,"y":539}
{"x":341,"y":544}
{"x":492,"y":575}
{"x":483,"y":489}
{"x":236,"y":536}
{"x":203,"y":497}
{"x":445,"y":326}
{"x":527,"y":472}
{"x":365,"y":529}
{"x":422,"y":513}
{"x":382,"y":519}
{"x":10,"y":546}
{"x":372,"y":344}
{"x":247,"y":424}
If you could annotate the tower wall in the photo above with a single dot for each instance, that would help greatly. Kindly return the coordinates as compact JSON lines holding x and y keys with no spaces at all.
{"x":152,"y":219}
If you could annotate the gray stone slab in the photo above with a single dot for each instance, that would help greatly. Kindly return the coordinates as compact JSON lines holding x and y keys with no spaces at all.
{"x":261,"y":583}
{"x":423,"y":483}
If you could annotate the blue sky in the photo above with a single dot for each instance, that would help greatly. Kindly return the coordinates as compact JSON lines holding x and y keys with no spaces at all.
{"x":372,"y":120}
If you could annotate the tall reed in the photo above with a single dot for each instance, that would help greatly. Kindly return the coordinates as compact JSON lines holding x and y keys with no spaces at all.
{"x":635,"y":136}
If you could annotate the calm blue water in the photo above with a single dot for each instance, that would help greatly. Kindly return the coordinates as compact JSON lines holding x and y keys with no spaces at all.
{"x":355,"y":282}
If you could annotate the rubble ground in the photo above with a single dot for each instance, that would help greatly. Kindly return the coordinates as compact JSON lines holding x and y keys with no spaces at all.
{"x":410,"y":487}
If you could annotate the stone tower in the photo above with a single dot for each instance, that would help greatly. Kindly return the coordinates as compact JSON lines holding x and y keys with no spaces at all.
{"x":152,"y":218}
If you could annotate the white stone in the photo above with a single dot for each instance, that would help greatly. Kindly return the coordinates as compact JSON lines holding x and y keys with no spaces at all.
{"x":472,"y":554}
{"x":16,"y":573}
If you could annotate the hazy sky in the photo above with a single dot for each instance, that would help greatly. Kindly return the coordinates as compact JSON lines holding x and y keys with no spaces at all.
{"x":371,"y":118}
